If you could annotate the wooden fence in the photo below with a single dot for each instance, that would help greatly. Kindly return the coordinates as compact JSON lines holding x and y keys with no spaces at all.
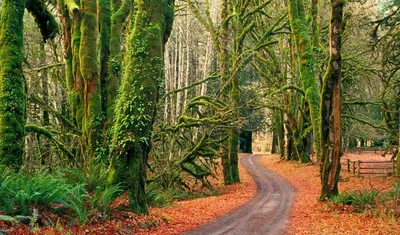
{"x":359,"y":168}
{"x":368,"y":149}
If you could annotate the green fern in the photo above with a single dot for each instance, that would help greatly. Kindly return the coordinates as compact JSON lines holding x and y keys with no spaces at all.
{"x":76,"y":201}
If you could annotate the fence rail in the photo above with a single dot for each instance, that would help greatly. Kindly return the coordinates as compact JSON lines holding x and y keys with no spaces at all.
{"x":359,"y":168}
{"x":368,"y":149}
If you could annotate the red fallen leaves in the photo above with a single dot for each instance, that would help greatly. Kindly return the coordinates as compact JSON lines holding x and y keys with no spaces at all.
{"x":181,"y":217}
{"x":188,"y":215}
{"x":308,"y":216}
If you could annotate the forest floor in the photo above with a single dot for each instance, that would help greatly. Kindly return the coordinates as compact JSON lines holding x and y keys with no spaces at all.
{"x":182,"y":216}
{"x":309,"y":216}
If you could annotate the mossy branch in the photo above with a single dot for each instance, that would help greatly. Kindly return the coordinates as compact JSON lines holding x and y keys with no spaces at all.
{"x":64,"y":120}
{"x":206,"y":24}
{"x":365,"y":122}
{"x":43,"y":131}
{"x":44,"y":67}
{"x":269,"y":32}
{"x":212,"y":76}
{"x":361,"y":102}
{"x":256,"y":9}
{"x":44,"y":19}
{"x":288,"y":87}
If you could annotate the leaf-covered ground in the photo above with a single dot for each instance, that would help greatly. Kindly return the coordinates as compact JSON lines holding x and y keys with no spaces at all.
{"x":309,"y":216}
{"x":187,"y":215}
{"x":176,"y":219}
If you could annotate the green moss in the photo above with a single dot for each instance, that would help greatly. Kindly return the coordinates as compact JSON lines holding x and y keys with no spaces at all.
{"x":76,"y":94}
{"x":135,"y":109}
{"x":307,"y":67}
{"x":104,"y":18}
{"x":44,"y":18}
{"x":120,"y":12}
{"x":92,"y":119}
{"x":12,"y":84}
{"x":233,"y":142}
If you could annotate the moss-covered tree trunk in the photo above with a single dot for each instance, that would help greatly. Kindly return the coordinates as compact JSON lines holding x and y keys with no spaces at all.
{"x":223,"y":60}
{"x":331,"y":108}
{"x":66,"y":23}
{"x":315,"y":23}
{"x":135,"y":110}
{"x":233,"y":141}
{"x":104,"y":21}
{"x":120,"y":11}
{"x":12,"y":84}
{"x":92,"y":119}
{"x":307,"y":67}
{"x":76,"y":94}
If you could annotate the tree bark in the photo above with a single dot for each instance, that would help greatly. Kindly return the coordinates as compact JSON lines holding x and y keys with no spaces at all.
{"x":135,"y":108}
{"x":307,"y":67}
{"x":331,"y":108}
{"x":120,"y":11}
{"x":12,"y":84}
{"x":92,"y":119}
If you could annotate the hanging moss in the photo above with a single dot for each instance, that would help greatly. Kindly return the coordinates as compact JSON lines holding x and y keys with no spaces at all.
{"x":12,"y":84}
{"x":135,"y":109}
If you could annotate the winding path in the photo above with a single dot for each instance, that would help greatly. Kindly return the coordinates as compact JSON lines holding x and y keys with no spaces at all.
{"x":267,"y":213}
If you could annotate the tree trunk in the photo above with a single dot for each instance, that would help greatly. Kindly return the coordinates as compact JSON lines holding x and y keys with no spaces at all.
{"x":92,"y":119}
{"x":246,"y":141}
{"x":307,"y":67}
{"x":275,"y":142}
{"x":104,"y":25}
{"x":120,"y":12}
{"x":223,"y":59}
{"x":315,"y":23}
{"x":12,"y":84}
{"x":138,"y":97}
{"x":331,"y":108}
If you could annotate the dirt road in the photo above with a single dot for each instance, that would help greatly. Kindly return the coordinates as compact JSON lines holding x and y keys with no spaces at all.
{"x":266,"y":214}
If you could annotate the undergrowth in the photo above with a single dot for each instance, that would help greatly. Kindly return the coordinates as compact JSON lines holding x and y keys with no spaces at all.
{"x":371,"y":202}
{"x":84,"y":193}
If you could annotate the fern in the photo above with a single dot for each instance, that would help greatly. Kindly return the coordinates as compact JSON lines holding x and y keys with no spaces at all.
{"x":76,"y":200}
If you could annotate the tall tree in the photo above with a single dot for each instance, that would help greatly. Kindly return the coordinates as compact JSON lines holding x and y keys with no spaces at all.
{"x":331,"y":107}
{"x":307,"y":66}
{"x":12,"y":82}
{"x":89,"y":66}
{"x":135,"y":110}
{"x":120,"y":11}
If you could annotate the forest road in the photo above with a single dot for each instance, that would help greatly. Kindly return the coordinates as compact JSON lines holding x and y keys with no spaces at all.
{"x":267,"y":213}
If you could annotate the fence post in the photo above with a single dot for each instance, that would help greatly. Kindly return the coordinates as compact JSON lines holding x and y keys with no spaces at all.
{"x":359,"y":166}
{"x":393,"y":166}
{"x":354,"y":168}
{"x":348,"y":165}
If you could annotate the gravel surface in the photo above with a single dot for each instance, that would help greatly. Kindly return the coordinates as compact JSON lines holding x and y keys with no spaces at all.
{"x":267,"y":213}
